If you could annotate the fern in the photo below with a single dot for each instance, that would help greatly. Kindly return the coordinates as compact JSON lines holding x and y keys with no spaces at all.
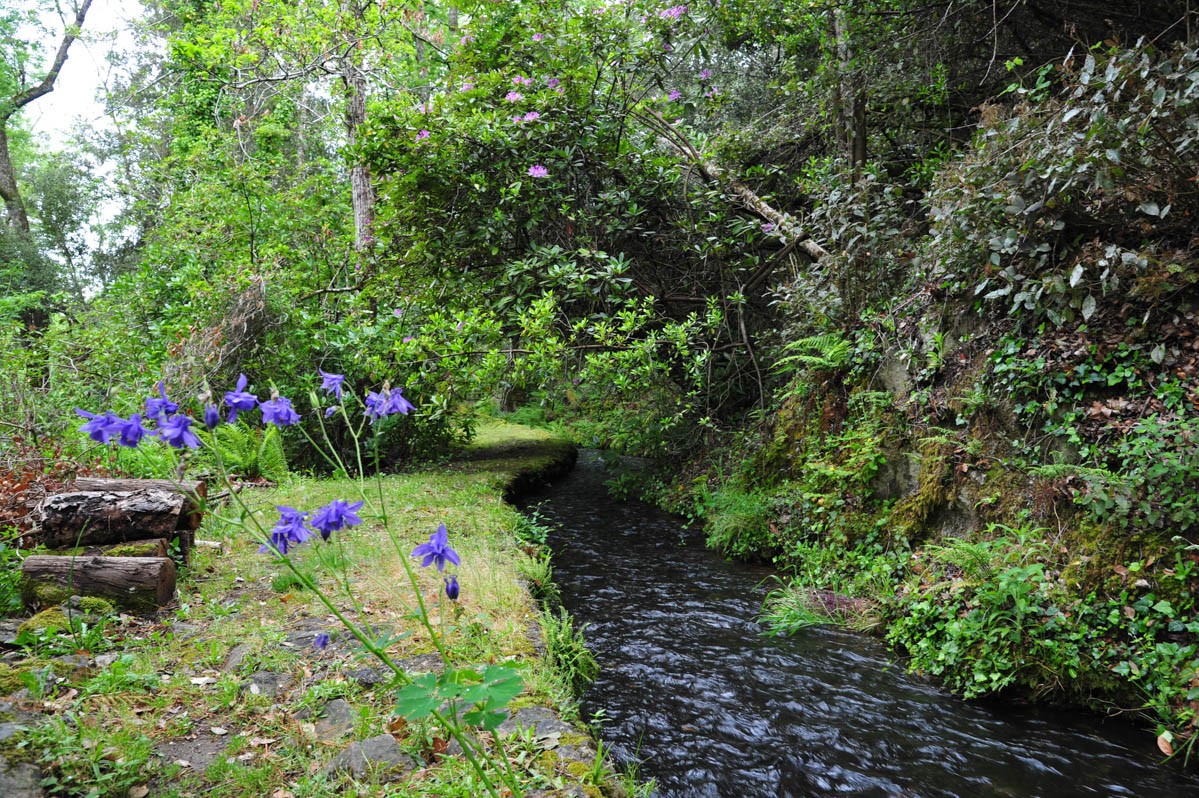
{"x":818,"y":352}
{"x":1056,"y":470}
{"x":272,"y":463}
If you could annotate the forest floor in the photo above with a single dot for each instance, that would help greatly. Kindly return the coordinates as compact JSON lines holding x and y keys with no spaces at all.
{"x":226,"y":694}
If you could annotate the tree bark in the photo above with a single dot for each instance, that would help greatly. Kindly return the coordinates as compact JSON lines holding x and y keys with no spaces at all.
{"x":91,"y":518}
{"x":141,"y":584}
{"x":193,"y":491}
{"x":17,"y":216}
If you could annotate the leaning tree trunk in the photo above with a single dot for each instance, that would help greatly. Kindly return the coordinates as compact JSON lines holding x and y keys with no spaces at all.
{"x":8,"y":185}
{"x":139,"y":584}
{"x":362,"y":192}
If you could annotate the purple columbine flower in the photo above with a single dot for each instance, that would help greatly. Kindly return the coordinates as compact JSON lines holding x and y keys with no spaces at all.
{"x":376,"y":406}
{"x":334,"y":516}
{"x":437,"y":551}
{"x":176,"y":432}
{"x":212,"y":417}
{"x":156,"y":407}
{"x":396,"y":403}
{"x":100,"y":428}
{"x":238,"y":400}
{"x":451,"y":587}
{"x":278,"y":411}
{"x":537,"y":170}
{"x":132,"y":431}
{"x":330,"y":411}
{"x":321,"y":642}
{"x":514,"y":96}
{"x":289,"y":531}
{"x":331,"y":383}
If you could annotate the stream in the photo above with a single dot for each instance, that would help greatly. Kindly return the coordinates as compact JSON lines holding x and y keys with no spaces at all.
{"x":691,"y":690}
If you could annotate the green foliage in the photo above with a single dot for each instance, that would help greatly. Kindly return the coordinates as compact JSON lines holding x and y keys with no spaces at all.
{"x":566,"y":649}
{"x":77,"y":756}
{"x":249,"y":451}
{"x":10,"y":573}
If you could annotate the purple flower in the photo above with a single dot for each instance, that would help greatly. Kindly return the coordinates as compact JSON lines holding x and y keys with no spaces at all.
{"x":239,"y":400}
{"x":330,"y":411}
{"x":451,"y":587}
{"x":521,"y":80}
{"x":321,"y":641}
{"x":396,"y":403}
{"x":514,"y":96}
{"x":712,"y":92}
{"x":407,"y":338}
{"x":537,"y":170}
{"x":212,"y":417}
{"x":132,"y":431}
{"x":175,"y":431}
{"x":707,"y":73}
{"x":674,"y":12}
{"x":437,"y":550}
{"x":423,"y":108}
{"x":331,"y":383}
{"x":467,"y":86}
{"x":531,"y":116}
{"x":100,"y":428}
{"x":424,"y":134}
{"x":289,"y":531}
{"x":767,"y":227}
{"x":553,"y":83}
{"x":279,"y":412}
{"x":334,"y":516}
{"x":156,"y":407}
{"x":538,"y":37}
{"x":376,"y":406}
{"x":674,"y":95}
{"x":516,"y":120}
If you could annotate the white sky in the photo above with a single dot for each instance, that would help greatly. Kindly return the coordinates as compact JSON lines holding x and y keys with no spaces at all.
{"x":79,"y":84}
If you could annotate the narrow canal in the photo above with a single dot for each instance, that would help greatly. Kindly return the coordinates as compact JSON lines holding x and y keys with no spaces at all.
{"x":691,"y":689}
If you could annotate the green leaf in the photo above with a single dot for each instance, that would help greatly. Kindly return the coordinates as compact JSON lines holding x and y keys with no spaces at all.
{"x":418,"y":699}
{"x":1088,"y":307}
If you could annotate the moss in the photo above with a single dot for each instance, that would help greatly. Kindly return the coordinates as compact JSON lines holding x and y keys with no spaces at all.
{"x":94,"y":605}
{"x":45,"y":619}
{"x":133,"y":550}
{"x":578,"y":770}
{"x":911,"y":515}
{"x":36,"y":593}
{"x":11,"y":673}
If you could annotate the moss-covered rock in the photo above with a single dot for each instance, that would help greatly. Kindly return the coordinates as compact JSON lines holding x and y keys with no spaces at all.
{"x":42,"y":594}
{"x":53,"y":617}
{"x":94,"y":605}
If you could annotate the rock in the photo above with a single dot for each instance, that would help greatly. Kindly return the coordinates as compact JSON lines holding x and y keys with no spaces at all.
{"x":8,"y":632}
{"x":421,"y":663}
{"x":236,"y":655}
{"x":106,"y":660}
{"x":336,"y":719}
{"x":542,"y":720}
{"x":79,"y":664}
{"x":182,"y":630}
{"x":367,"y":677}
{"x":454,"y":748}
{"x":377,"y":753}
{"x":20,"y":781}
{"x":8,"y":730}
{"x":267,"y":683}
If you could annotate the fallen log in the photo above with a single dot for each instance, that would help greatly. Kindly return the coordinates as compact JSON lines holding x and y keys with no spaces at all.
{"x":193,"y":492}
{"x":138,"y":584}
{"x":92,"y":518}
{"x":153,"y":547}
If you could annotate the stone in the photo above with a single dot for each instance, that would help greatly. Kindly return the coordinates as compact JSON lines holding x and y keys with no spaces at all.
{"x":9,"y":730}
{"x":8,"y":632}
{"x":421,"y":663}
{"x":335,"y":719}
{"x":20,"y":781}
{"x":377,"y":753}
{"x":454,"y":748}
{"x":541,"y":720}
{"x":267,"y":683}
{"x":106,"y":660}
{"x":181,"y":630}
{"x":367,"y":677}
{"x":237,"y":654}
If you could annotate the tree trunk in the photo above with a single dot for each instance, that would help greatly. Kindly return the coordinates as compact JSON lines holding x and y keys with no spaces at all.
{"x":140,"y":584}
{"x":362,"y":192}
{"x":8,"y":185}
{"x":154,"y":547}
{"x":92,"y":518}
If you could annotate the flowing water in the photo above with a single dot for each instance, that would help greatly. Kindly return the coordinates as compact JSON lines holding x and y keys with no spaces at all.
{"x":691,"y":689}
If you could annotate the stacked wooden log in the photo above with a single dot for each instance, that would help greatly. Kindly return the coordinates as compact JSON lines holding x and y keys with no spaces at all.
{"x":117,"y":532}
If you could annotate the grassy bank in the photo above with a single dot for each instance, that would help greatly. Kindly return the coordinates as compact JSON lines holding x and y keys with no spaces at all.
{"x":223,"y":696}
